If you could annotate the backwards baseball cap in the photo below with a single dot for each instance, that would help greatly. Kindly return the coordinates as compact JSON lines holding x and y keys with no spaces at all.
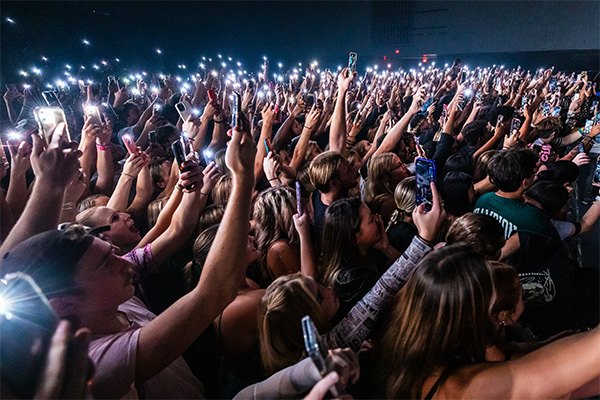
{"x":50,"y":258}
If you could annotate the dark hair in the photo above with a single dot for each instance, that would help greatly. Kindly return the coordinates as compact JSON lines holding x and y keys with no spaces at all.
{"x":202,"y":245}
{"x":459,"y":162}
{"x":482,"y":232}
{"x":455,"y":192}
{"x":155,"y":172}
{"x":163,"y":133}
{"x":474,"y":130}
{"x":440,"y":323}
{"x":508,"y":169}
{"x":562,"y":171}
{"x":508,"y":287}
{"x":127,"y":107}
{"x":552,"y":196}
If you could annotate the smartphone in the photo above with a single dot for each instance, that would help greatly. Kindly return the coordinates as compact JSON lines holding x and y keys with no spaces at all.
{"x":48,"y":118}
{"x":93,"y":113}
{"x":211,"y":94}
{"x":184,"y":108}
{"x":546,"y":110}
{"x":580,"y":147}
{"x":523,"y":101}
{"x":315,"y":349}
{"x":425,"y":174}
{"x":597,"y":119}
{"x":556,"y":111}
{"x":254,"y":121}
{"x":208,"y":155}
{"x":588,"y":127}
{"x":479,"y":97}
{"x":309,"y":99}
{"x":113,"y":80}
{"x":236,"y":106}
{"x":298,"y":199}
{"x":268,"y":145}
{"x":129,"y":144}
{"x":583,"y":75}
{"x":179,"y":152}
{"x":427,"y":103}
{"x":27,"y":323}
{"x":515,"y":125}
{"x":351,"y":63}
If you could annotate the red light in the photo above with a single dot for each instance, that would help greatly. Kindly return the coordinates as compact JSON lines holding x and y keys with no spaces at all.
{"x":385,"y":57}
{"x":424,"y":58}
{"x":397,"y":51}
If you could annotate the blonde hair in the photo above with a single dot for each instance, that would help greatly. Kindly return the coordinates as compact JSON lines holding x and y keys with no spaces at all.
{"x":222,"y":190}
{"x":272,"y":215}
{"x":154,"y":210}
{"x":405,"y":196}
{"x":286,"y":301}
{"x":377,"y":182}
{"x":323,"y":168}
{"x":88,"y":217}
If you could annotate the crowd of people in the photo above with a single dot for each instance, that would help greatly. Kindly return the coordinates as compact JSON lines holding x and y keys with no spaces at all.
{"x":188,"y":276}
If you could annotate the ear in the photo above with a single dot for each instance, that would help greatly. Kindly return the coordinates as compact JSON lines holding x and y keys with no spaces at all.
{"x":161,"y":184}
{"x":503,"y":316}
{"x":552,"y":136}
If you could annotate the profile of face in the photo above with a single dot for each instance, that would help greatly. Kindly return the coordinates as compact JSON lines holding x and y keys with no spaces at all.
{"x":368,"y":234}
{"x":122,"y":231}
{"x":105,"y":281}
{"x":398,"y":172}
{"x":325,"y":296}
{"x":347,"y":176}
{"x":297,"y":128}
{"x":252,"y":253}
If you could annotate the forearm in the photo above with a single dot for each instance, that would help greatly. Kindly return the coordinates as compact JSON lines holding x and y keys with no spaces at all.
{"x":487,"y":146}
{"x":395,"y":134}
{"x":164,"y":219}
{"x":301,"y":147}
{"x":41,"y":214}
{"x":143,"y":193}
{"x":12,"y":115}
{"x":118,"y":200}
{"x":284,"y":133}
{"x":219,"y":137}
{"x":289,"y":383}
{"x":590,"y":217}
{"x":17,"y":194}
{"x":308,"y":264}
{"x":261,"y":151}
{"x":337,"y":131}
{"x":88,"y":155}
{"x":106,"y":172}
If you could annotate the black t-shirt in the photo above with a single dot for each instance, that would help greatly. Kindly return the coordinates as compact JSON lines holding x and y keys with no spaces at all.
{"x":400,"y":235}
{"x":319,"y":209}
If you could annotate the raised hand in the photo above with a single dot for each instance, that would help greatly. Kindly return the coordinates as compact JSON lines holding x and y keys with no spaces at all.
{"x":210,"y":177}
{"x":428,"y":222}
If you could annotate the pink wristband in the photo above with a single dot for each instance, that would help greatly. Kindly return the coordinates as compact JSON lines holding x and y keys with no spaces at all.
{"x":103,"y":148}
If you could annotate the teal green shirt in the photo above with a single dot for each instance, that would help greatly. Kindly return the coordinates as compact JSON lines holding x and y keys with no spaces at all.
{"x":514,"y":215}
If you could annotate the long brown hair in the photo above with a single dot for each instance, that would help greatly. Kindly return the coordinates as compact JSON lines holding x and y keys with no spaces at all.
{"x":441,"y":322}
{"x":286,"y":301}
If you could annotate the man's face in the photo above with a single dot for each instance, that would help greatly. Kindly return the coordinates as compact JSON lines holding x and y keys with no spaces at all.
{"x":347,"y":175}
{"x":133,"y":116}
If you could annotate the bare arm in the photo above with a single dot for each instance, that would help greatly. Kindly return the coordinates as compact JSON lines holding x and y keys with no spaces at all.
{"x":553,"y":371}
{"x":337,"y":132}
{"x":55,"y":168}
{"x":308,"y":262}
{"x":166,"y":337}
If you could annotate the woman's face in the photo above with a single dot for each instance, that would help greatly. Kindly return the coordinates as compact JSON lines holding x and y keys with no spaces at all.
{"x":325,"y":296}
{"x":369,"y":234}
{"x":398,"y":172}
{"x":122,"y":231}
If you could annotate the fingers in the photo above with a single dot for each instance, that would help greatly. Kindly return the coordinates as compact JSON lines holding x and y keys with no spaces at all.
{"x":54,"y":372}
{"x":57,"y":136}
{"x":322,"y":387}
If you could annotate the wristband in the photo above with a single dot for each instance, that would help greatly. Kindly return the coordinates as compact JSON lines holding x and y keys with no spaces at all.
{"x":273,"y":179}
{"x":307,"y":127}
{"x":102,"y":147}
{"x":204,"y":194}
{"x":129,"y":175}
{"x":427,"y":242}
{"x":217,"y":122}
{"x":179,"y":187}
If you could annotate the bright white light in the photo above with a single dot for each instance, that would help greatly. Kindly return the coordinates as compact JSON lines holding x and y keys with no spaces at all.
{"x":229,"y":58}
{"x":103,"y":63}
{"x":219,"y":56}
{"x":239,"y":64}
{"x":86,"y":42}
{"x":36,"y":70}
{"x":265,"y":58}
{"x":154,"y":89}
{"x":10,"y":20}
{"x":82,"y":67}
{"x":158,"y":51}
{"x":49,"y":86}
{"x":26,"y":86}
{"x":178,"y":79}
{"x":202,"y":65}
{"x":44,"y":58}
{"x":117,"y":60}
{"x":223,"y":65}
{"x":280,"y":65}
{"x":13,"y":135}
{"x":214,"y":73}
{"x":68,"y":66}
{"x":468,"y":92}
{"x":183,"y":66}
{"x":389,"y":65}
{"x":22,"y":73}
{"x":95,"y":66}
{"x":135,"y":92}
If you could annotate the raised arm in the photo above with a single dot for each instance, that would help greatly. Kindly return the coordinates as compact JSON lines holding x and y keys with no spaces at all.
{"x":337,"y":131}
{"x":166,"y":337}
{"x":133,"y":165}
{"x":395,"y":134}
{"x":54,"y":168}
{"x":313,"y":119}
{"x":17,"y":194}
{"x":308,"y":261}
{"x":268,"y":117}
{"x":104,"y":163}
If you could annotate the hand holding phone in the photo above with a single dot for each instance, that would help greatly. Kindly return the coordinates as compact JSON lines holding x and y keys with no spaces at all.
{"x":299,"y":199}
{"x":425,"y":175}
{"x":129,"y":144}
{"x":316,"y":350}
{"x":48,"y":119}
